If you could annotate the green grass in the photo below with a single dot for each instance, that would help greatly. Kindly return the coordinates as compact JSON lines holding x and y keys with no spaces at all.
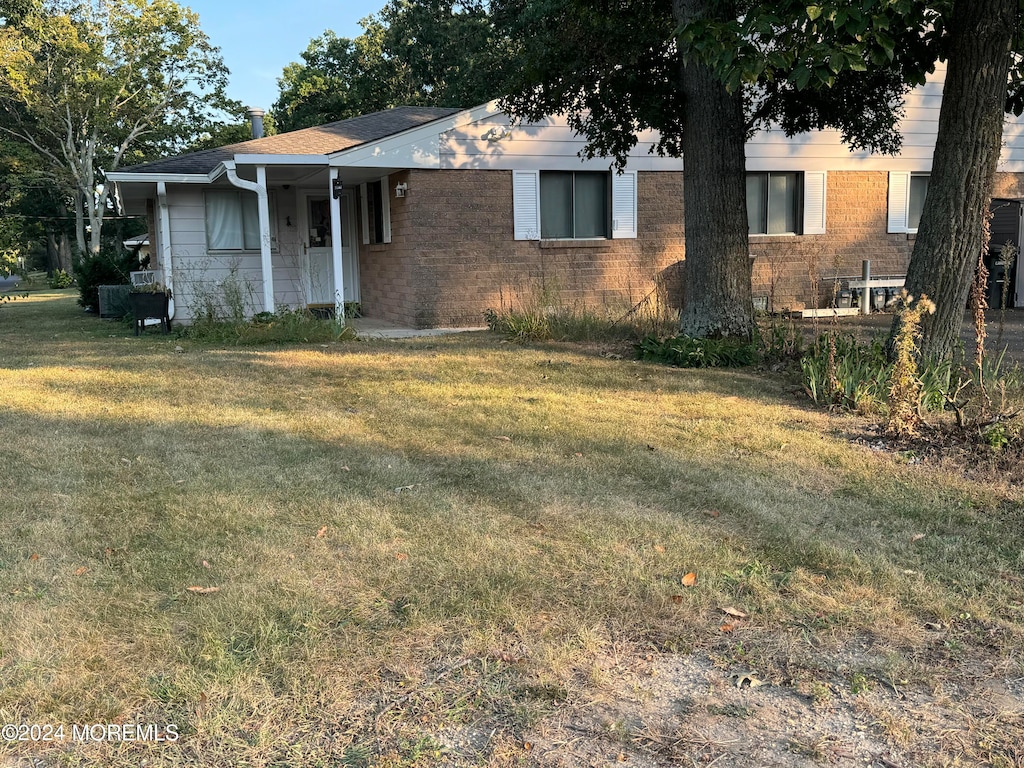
{"x":414,"y":536}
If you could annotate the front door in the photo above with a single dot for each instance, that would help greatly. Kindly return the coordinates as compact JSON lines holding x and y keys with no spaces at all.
{"x":319,"y":251}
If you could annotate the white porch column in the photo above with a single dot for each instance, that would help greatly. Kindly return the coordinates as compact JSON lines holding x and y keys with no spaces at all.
{"x":263,"y":206}
{"x":266,"y":264}
{"x":163,"y":247}
{"x":339,"y":270}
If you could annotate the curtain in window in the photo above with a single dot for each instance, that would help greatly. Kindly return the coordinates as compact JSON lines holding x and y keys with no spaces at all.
{"x":918,"y":191}
{"x":224,"y":221}
{"x":782,"y":199}
{"x":555,"y":204}
{"x":590,"y":205}
{"x":250,"y":211}
{"x":757,"y":203}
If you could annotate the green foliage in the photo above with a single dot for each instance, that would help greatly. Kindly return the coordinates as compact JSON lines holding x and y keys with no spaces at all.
{"x":837,"y":371}
{"x":781,"y":342}
{"x":543,"y":322}
{"x":614,"y":68}
{"x":519,"y":326}
{"x":60,"y":279}
{"x":432,"y":53}
{"x":690,"y":352}
{"x":108,"y":267}
{"x":281,"y":327}
{"x":92,"y":85}
{"x":840,"y":64}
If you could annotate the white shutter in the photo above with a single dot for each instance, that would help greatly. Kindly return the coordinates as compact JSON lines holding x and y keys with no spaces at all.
{"x":814,"y":202}
{"x":526,"y":205}
{"x":624,"y":204}
{"x":899,"y":200}
{"x":365,"y":214}
{"x":385,"y":208}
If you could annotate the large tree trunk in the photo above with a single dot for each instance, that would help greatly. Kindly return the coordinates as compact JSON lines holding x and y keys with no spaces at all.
{"x":717,"y":300}
{"x":951,"y":232}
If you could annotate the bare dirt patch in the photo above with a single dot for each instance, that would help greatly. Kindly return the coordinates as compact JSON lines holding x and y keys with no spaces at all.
{"x":689,"y":710}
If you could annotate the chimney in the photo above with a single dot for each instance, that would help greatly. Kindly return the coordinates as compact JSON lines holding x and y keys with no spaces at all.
{"x":255,"y":115}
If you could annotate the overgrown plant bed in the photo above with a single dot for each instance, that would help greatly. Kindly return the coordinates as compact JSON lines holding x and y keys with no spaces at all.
{"x":467,"y":553}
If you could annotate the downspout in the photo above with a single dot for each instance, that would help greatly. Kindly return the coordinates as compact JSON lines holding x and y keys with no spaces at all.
{"x":336,"y":243}
{"x":165,"y":243}
{"x":263,"y":205}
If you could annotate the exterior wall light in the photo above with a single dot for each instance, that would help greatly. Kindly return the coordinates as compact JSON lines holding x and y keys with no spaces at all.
{"x":401,"y":189}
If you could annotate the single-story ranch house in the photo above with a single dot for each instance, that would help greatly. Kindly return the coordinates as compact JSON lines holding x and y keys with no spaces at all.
{"x":427,"y":217}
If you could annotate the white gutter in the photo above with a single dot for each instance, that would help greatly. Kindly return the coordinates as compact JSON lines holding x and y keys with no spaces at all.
{"x":263,"y":204}
{"x":339,"y":271}
{"x":169,"y":178}
{"x":165,"y":242}
{"x":261,"y":159}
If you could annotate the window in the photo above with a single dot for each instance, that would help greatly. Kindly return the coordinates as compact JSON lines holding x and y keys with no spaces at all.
{"x":375,"y":211}
{"x":773,"y":203}
{"x":573,"y":204}
{"x":232,"y":221}
{"x":907,"y":192}
{"x":915,"y":202}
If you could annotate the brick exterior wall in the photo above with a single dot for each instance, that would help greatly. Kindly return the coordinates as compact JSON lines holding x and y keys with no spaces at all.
{"x":453,"y":255}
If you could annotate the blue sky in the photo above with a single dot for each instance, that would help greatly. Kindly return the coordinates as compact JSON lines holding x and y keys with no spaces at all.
{"x":259,"y":37}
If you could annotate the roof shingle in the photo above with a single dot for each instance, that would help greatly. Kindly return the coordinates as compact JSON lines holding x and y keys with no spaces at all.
{"x":321,"y":140}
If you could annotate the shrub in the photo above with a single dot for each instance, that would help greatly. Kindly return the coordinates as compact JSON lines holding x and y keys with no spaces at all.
{"x":281,"y":327}
{"x":690,"y":352}
{"x":837,"y":371}
{"x":108,"y":267}
{"x":60,"y":279}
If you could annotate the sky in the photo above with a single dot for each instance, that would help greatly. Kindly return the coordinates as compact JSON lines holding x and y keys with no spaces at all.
{"x":258,"y":38}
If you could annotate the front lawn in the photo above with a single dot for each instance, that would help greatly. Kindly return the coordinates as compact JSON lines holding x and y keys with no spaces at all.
{"x":336,"y":554}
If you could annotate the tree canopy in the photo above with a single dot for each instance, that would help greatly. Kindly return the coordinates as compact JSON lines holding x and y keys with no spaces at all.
{"x":429,"y":52}
{"x":95,"y":84}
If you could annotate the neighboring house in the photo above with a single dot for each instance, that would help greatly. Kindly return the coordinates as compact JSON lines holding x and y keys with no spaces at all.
{"x":427,"y":217}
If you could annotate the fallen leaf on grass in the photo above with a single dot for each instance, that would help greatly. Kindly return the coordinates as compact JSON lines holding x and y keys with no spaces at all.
{"x":80,"y":571}
{"x":659,"y":549}
{"x":34,"y":556}
{"x":727,"y":627}
{"x":205,"y":564}
{"x":712,"y":512}
{"x":203,"y":590}
{"x":401,"y":556}
{"x":916,"y":537}
{"x":736,"y":613}
{"x":322,"y":532}
{"x":935,"y":626}
{"x":345,"y":469}
{"x":503,"y":438}
{"x":401,"y":488}
{"x":677,"y":599}
{"x":689,"y":579}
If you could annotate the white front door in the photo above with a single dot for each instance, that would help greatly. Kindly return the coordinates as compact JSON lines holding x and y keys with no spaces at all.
{"x":319,"y":255}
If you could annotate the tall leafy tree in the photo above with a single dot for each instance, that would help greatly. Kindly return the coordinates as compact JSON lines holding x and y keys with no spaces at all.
{"x":93,"y":84}
{"x":705,"y":74}
{"x":413,"y":52}
{"x":978,"y":38}
{"x":332,"y":83}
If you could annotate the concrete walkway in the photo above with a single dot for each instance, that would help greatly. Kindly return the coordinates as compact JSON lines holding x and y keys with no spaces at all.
{"x":369,"y":328}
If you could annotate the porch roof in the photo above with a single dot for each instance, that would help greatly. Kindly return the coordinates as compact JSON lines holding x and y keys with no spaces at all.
{"x":321,"y":140}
